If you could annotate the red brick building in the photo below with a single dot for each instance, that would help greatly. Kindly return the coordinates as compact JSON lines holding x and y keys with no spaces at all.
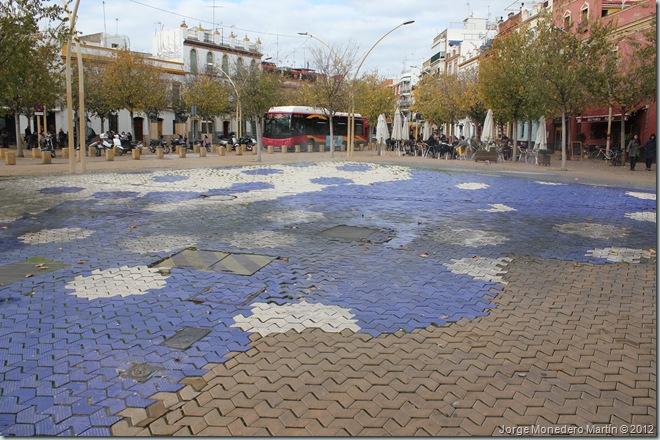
{"x":631,"y":18}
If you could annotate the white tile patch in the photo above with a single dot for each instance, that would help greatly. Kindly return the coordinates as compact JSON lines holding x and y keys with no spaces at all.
{"x":480,"y":268}
{"x":472,"y":185}
{"x":150,"y":244}
{"x":55,"y":235}
{"x":468,"y":237}
{"x":273,"y":318}
{"x":294,"y":216}
{"x":117,"y":281}
{"x":641,"y":195}
{"x":261,"y":239}
{"x":642,"y":216}
{"x":498,"y":207}
{"x":592,"y":230}
{"x":543,"y":182}
{"x":620,"y":254}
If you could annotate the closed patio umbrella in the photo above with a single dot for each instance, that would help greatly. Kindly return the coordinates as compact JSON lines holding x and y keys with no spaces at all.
{"x":405,"y":129}
{"x":382,"y":133}
{"x":541,"y":136}
{"x":487,"y":132}
{"x":396,"y":126}
{"x":426,"y":131}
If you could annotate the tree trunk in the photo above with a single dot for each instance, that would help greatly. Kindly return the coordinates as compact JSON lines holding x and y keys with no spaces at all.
{"x":563,"y":141}
{"x":19,"y":143}
{"x":514,"y":130}
{"x":132,"y":124}
{"x":623,"y":134}
{"x":332,"y":139}
{"x":609,"y":130}
{"x":529,"y":135}
{"x":102,"y":124}
{"x":258,"y":136}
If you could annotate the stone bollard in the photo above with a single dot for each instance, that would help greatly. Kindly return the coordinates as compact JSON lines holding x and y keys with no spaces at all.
{"x":10,"y":157}
{"x":223,"y":151}
{"x":160,"y":153}
{"x":297,"y":148}
{"x":65,"y":152}
{"x":182,"y":152}
{"x":46,"y":157}
{"x":196,"y":149}
{"x":269,"y":149}
{"x":284,"y":149}
{"x":35,"y":153}
{"x":110,"y":154}
{"x":322,"y":148}
{"x":136,"y":153}
{"x":202,"y":152}
{"x":3,"y":151}
{"x":239,"y":150}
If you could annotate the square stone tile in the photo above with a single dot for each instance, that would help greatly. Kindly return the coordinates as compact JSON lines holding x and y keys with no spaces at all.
{"x":186,"y":337}
{"x":242,"y":264}
{"x":10,"y":273}
{"x":196,"y":259}
{"x":227,"y":293}
{"x":357,"y":233}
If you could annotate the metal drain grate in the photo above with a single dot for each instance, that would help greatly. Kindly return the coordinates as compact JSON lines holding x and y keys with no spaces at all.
{"x":140,"y":372}
{"x":186,"y":337}
{"x":216,"y":261}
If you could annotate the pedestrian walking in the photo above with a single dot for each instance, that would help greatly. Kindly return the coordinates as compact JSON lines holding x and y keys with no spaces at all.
{"x":650,"y":152}
{"x":633,"y":151}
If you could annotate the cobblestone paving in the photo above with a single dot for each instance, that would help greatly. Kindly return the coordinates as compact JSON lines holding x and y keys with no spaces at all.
{"x":566,"y":343}
{"x":451,"y":248}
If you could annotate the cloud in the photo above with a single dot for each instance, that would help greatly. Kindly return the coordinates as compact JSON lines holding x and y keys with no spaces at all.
{"x":337,"y":22}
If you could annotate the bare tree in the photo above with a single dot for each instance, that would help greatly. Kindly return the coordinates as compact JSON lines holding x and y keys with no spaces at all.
{"x":330,"y":91}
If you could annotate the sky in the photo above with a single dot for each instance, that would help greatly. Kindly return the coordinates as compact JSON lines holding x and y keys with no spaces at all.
{"x":340,"y":23}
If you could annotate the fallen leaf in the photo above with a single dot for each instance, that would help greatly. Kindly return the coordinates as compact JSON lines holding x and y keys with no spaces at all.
{"x":424,"y":254}
{"x":28,"y":275}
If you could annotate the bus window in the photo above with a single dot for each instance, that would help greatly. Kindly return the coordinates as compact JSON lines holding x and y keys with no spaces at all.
{"x":277,"y":126}
{"x":359,"y":127}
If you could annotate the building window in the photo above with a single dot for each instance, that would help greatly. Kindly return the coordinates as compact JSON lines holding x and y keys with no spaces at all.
{"x":225,"y":63}
{"x":209,"y":62}
{"x":239,"y":63}
{"x":193,"y":61}
{"x":567,"y":20}
{"x":253,"y":64}
{"x":207,"y":37}
{"x":584,"y":13}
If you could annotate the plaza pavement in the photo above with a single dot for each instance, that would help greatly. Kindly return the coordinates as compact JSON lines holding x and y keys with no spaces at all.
{"x":234,"y":301}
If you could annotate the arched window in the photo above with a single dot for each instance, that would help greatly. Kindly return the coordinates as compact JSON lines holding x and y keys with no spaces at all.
{"x":193,"y":61}
{"x":584,"y":13}
{"x":567,"y":20}
{"x":209,"y":61}
{"x":225,"y":63}
{"x":239,"y":63}
{"x":253,"y":64}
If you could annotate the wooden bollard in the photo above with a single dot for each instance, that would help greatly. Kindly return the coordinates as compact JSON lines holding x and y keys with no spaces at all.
{"x":182,"y":152}
{"x":202,"y":152}
{"x":3,"y":151}
{"x":195,"y":149}
{"x":136,"y":153}
{"x":110,"y":154}
{"x":35,"y":153}
{"x":297,"y":148}
{"x":222,"y":151}
{"x":269,"y":149}
{"x":46,"y":157}
{"x":160,"y":153}
{"x":10,"y":157}
{"x":239,"y":150}
{"x":65,"y":152}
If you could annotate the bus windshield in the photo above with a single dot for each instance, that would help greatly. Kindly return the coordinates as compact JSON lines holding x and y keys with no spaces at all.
{"x":277,"y":126}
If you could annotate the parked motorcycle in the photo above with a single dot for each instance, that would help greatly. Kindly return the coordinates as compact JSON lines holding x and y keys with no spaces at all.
{"x":126,"y":144}
{"x":159,"y":143}
{"x":48,"y":145}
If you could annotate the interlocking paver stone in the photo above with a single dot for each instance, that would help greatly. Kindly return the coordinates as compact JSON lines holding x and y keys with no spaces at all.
{"x":419,"y":322}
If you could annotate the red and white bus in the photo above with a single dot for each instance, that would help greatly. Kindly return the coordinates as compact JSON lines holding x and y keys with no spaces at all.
{"x":307,"y":126}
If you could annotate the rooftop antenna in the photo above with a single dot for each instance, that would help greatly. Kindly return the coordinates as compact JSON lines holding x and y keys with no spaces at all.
{"x":214,"y":7}
{"x":116,"y":26}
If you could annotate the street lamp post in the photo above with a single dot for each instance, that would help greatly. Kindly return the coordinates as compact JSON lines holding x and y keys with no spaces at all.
{"x":351,"y":115}
{"x":238,"y":99}
{"x":69,"y":92}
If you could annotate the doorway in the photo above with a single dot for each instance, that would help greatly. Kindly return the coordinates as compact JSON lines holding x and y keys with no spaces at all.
{"x":139,"y":129}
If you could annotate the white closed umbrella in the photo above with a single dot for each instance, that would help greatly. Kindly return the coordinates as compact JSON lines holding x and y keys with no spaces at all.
{"x":396,"y":126}
{"x":382,"y":132}
{"x":541,"y":136}
{"x":405,"y":129}
{"x":487,"y":132}
{"x":426,"y":131}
